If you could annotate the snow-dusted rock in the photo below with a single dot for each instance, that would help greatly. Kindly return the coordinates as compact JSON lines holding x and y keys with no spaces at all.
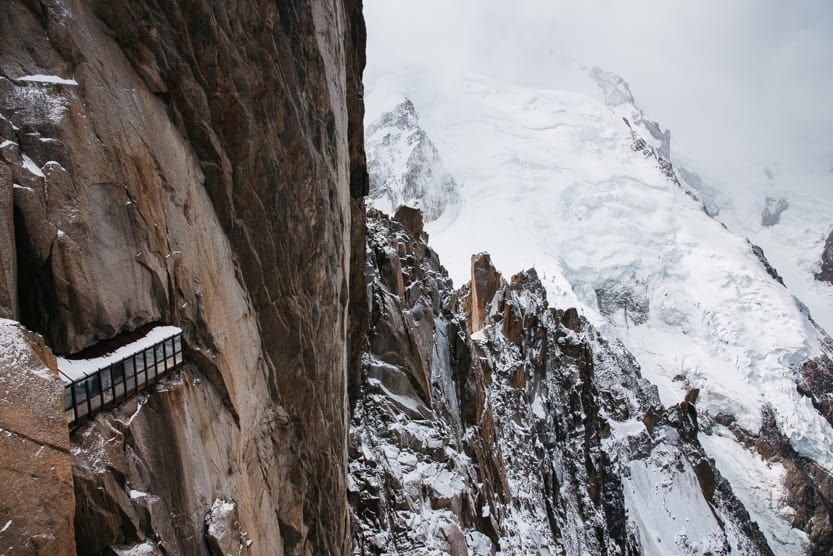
{"x":37,"y":504}
{"x":617,"y":95}
{"x":773,"y":208}
{"x":405,"y":166}
{"x":222,"y":530}
{"x":539,"y":434}
{"x":825,"y":273}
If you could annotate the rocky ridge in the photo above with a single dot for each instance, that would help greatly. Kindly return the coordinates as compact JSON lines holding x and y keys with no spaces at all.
{"x":521,"y":428}
{"x":650,"y":139}
{"x":648,"y":288}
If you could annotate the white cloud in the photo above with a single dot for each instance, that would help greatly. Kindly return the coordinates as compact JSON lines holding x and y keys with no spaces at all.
{"x":739,"y":83}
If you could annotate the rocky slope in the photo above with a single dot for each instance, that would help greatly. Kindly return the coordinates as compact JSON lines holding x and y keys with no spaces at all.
{"x":199,"y":164}
{"x":488,"y":420}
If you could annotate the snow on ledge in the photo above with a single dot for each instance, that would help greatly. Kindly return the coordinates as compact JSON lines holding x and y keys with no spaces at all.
{"x":41,"y":78}
{"x":74,"y":369}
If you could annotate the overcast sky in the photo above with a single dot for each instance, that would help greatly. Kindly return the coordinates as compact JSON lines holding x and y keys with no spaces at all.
{"x":738,"y":82}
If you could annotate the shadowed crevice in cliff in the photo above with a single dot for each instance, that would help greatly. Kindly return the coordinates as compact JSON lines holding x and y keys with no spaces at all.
{"x":359,"y":306}
{"x":35,"y":282}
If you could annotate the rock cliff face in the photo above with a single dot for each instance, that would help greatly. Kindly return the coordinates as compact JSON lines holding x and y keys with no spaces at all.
{"x":200,"y":164}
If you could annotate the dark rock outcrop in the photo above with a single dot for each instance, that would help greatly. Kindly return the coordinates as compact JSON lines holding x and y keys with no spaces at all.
{"x":410,"y":218}
{"x":809,"y":488}
{"x":773,"y":208}
{"x":759,"y":252}
{"x":825,"y":273}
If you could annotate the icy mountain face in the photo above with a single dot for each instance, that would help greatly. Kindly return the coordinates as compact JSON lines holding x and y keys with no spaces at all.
{"x":786,"y":209}
{"x":652,"y":141}
{"x":560,"y":181}
{"x":531,"y":433}
{"x":405,"y":167}
{"x":695,"y":186}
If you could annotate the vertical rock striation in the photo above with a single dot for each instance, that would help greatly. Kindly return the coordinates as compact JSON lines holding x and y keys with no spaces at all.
{"x":201,"y":164}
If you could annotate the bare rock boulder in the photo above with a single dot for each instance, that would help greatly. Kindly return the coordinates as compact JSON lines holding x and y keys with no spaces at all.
{"x":411,"y":219}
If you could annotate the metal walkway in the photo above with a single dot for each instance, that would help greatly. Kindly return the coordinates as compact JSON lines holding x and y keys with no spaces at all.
{"x":117,"y":369}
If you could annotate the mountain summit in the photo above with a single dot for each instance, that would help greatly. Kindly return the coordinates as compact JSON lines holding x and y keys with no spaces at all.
{"x":405,"y":166}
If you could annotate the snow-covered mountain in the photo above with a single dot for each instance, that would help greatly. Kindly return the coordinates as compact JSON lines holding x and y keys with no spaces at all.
{"x":581,"y":187}
{"x":405,"y":167}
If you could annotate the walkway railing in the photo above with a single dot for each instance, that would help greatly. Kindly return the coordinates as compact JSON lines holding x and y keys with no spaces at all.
{"x":90,"y":389}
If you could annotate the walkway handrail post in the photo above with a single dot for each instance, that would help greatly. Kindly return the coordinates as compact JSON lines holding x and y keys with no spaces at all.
{"x":164,"y":356}
{"x":87,"y":396}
